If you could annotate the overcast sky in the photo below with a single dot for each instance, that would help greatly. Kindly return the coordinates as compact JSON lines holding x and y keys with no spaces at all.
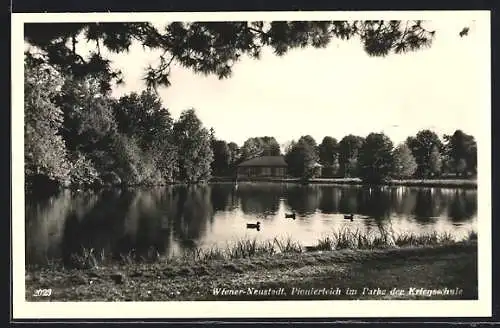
{"x":335,"y":91}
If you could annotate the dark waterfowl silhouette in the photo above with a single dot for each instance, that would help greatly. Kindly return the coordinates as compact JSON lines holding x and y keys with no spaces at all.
{"x":290,"y":216}
{"x":253,"y":225}
{"x":349,"y":217}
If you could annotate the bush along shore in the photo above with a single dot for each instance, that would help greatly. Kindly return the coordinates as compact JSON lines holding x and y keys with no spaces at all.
{"x":375,"y":266}
{"x":429,"y":183}
{"x":437,"y":183}
{"x":445,"y":182}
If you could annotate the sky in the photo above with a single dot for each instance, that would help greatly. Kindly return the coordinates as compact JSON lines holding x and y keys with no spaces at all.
{"x":335,"y":91}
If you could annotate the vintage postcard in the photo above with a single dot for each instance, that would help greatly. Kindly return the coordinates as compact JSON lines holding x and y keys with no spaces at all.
{"x":259,"y":164}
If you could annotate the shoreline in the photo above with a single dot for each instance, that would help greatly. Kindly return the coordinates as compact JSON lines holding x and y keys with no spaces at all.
{"x":435,"y":183}
{"x":426,"y":183}
{"x":374,"y":273}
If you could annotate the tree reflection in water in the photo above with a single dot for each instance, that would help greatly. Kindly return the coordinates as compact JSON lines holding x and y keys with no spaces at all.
{"x":304,"y":200}
{"x":194,"y":211}
{"x":329,"y":200}
{"x":463,"y":205}
{"x":223,"y":197}
{"x":260,"y":198}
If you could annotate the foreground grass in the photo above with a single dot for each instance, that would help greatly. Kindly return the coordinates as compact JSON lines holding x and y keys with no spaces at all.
{"x":426,"y":262}
{"x":345,"y":238}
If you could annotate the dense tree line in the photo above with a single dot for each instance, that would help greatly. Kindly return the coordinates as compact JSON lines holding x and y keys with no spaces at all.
{"x":76,"y":134}
{"x":375,"y":158}
{"x":301,"y":156}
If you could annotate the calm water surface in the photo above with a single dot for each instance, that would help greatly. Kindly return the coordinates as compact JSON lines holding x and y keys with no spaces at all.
{"x":173,"y":219}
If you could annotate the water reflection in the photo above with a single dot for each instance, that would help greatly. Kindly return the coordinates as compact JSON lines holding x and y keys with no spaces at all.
{"x":374,"y":203}
{"x":193,"y":214}
{"x":463,"y":205}
{"x":329,"y":201}
{"x":171,"y":219}
{"x":303,"y":199}
{"x":223,"y":197}
{"x":259,"y":198}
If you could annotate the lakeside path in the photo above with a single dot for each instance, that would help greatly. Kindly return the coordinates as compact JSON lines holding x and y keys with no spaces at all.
{"x":414,"y":271}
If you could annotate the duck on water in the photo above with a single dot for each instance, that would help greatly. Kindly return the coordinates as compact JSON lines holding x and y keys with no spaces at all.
{"x":253,"y":225}
{"x":351,"y":217}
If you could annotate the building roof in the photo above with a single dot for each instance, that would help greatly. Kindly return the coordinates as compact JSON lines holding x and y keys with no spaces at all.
{"x":267,"y":161}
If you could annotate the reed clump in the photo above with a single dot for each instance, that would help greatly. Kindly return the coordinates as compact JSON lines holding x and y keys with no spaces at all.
{"x":346,"y":238}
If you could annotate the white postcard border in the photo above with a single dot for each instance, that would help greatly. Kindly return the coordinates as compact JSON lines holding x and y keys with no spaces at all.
{"x":239,"y":309}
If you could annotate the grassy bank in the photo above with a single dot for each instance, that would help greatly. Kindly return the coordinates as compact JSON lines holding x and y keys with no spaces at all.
{"x":347,"y":259}
{"x":438,"y":183}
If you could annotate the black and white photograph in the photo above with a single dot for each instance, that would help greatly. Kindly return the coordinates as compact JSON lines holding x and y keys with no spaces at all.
{"x":257,"y":164}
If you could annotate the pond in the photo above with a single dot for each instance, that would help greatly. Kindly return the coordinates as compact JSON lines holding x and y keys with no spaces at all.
{"x":172,"y":219}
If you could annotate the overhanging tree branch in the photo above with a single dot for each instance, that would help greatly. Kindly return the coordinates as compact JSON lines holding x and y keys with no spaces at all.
{"x":214,"y":47}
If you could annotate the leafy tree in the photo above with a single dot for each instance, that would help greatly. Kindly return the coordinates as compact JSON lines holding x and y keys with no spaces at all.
{"x":328,"y":156}
{"x":143,"y":118}
{"x":234,"y":151}
{"x":311,"y":142}
{"x":133,"y":165}
{"x":448,"y":166}
{"x":234,"y":156}
{"x":222,"y":158}
{"x":435,"y":162}
{"x":335,"y":167}
{"x":461,"y":150}
{"x":251,"y":148}
{"x":271,"y":146}
{"x":422,"y":146}
{"x":210,"y":47}
{"x":164,"y":150}
{"x":375,"y":158}
{"x":260,"y":146}
{"x":88,"y":114}
{"x":45,"y":153}
{"x":88,"y":129}
{"x":83,"y":172}
{"x":349,"y":148}
{"x":143,"y":115}
{"x":473,"y":159}
{"x":193,"y":141}
{"x":328,"y":151}
{"x":404,"y":165}
{"x":301,"y":158}
{"x":461,"y":167}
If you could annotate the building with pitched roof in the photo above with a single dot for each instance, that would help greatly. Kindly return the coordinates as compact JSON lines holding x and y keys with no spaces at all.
{"x":264,"y":166}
